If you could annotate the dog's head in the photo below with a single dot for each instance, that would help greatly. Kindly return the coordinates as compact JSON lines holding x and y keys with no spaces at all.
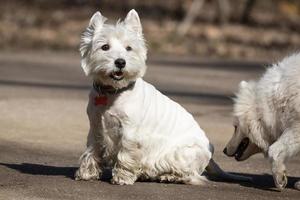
{"x":243,"y":143}
{"x":114,"y":55}
{"x":240,"y":145}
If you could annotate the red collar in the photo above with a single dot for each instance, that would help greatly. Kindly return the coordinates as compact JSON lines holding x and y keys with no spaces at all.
{"x":104,"y":91}
{"x":100,"y":100}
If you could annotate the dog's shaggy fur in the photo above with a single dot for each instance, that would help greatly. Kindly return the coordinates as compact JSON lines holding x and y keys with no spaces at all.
{"x":268,"y":113}
{"x":138,"y":133}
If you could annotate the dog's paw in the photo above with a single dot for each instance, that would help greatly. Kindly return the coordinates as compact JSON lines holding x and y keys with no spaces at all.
{"x":168,"y":178}
{"x":280,"y":180}
{"x":116,"y":180}
{"x":85,"y":175}
{"x":297,"y":185}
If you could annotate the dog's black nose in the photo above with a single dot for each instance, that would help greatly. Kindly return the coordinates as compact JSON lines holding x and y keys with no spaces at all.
{"x":225,"y":151}
{"x":120,"y":63}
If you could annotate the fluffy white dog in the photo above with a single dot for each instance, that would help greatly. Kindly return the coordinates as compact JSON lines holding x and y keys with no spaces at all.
{"x":267,"y":118}
{"x":134,"y":129}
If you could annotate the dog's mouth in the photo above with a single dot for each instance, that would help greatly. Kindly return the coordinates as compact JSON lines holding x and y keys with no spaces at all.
{"x":117,"y":75}
{"x":241,"y":149}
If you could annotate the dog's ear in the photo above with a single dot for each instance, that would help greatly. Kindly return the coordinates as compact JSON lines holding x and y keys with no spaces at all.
{"x":95,"y":24}
{"x":97,"y":20}
{"x":133,"y":20}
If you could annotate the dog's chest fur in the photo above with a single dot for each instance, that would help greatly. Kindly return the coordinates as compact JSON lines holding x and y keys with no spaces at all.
{"x":107,"y":131}
{"x":141,"y":117}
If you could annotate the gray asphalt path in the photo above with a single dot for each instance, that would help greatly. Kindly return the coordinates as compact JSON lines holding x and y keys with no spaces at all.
{"x":43,"y":128}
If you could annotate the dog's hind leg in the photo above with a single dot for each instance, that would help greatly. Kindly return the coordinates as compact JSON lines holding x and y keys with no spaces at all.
{"x":285,"y":147}
{"x":191,"y":179}
{"x":194,"y":179}
{"x":184,"y":165}
{"x":89,"y":168}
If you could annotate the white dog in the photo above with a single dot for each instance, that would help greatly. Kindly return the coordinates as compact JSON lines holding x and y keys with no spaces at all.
{"x":134,"y":129}
{"x":267,"y":118}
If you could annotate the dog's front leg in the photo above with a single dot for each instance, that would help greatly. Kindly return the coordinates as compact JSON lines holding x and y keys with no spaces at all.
{"x":127,"y":168}
{"x":90,"y":168}
{"x":285,"y":147}
{"x":89,"y":165}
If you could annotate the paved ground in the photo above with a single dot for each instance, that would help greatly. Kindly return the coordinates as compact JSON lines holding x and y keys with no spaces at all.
{"x":43,"y":128}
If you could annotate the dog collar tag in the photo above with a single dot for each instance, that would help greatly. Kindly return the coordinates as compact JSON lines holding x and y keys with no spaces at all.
{"x":100,"y":100}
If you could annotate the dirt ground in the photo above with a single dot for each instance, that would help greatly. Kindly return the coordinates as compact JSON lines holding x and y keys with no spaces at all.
{"x":43,"y":128}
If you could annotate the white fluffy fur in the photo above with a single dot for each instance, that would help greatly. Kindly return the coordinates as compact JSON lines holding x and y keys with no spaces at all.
{"x":99,"y":64}
{"x":140,"y":133}
{"x":268,"y":112}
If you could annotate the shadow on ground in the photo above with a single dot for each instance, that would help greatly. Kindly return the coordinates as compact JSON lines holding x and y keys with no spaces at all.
{"x":48,"y":170}
{"x":262,"y":182}
{"x":38,"y":169}
{"x":265,"y":181}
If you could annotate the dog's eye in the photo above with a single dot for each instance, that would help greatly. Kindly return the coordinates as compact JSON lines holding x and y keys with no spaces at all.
{"x":105,"y":47}
{"x":128,"y":48}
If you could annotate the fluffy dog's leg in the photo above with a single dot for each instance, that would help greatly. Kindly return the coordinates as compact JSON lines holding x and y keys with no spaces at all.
{"x":285,"y":147}
{"x":190,"y":179}
{"x":127,"y":167}
{"x":89,"y":168}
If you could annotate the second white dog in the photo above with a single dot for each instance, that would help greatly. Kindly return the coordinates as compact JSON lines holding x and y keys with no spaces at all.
{"x":134,"y":129}
{"x":267,"y":118}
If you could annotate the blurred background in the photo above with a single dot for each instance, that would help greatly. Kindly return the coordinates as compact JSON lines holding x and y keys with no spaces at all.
{"x":206,"y":28}
{"x":199,"y":51}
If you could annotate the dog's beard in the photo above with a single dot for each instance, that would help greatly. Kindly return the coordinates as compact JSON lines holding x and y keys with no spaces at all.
{"x":105,"y":73}
{"x":108,"y":78}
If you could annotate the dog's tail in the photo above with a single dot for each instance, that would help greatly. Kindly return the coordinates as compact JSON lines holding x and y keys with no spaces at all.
{"x":214,"y":169}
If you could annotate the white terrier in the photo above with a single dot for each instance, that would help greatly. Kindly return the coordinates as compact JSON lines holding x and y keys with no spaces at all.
{"x":267,"y":118}
{"x":134,"y":129}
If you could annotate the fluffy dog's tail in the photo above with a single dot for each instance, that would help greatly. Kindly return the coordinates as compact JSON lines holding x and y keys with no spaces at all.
{"x":214,"y":169}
